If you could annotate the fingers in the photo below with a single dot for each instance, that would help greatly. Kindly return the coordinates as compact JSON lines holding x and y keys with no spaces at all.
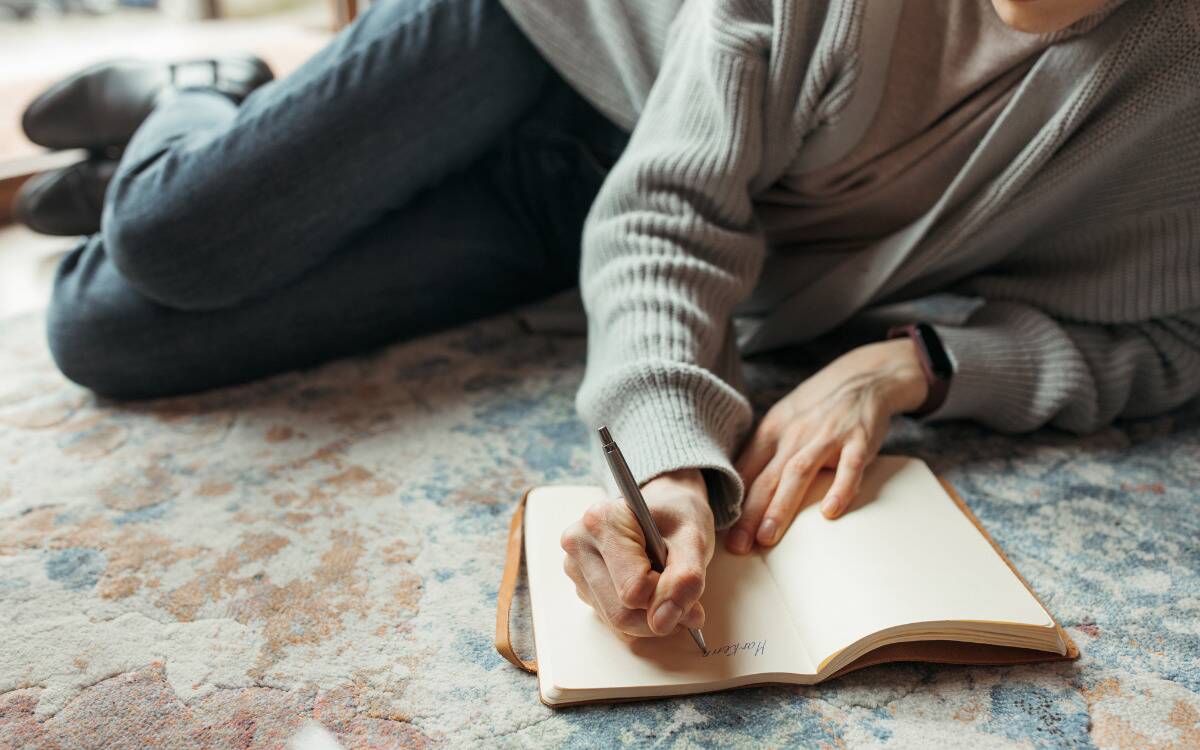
{"x":752,"y":462}
{"x":606,"y":559}
{"x":681,"y":583}
{"x":839,"y":416}
{"x":587,"y":569}
{"x":842,"y":492}
{"x":756,"y":455}
{"x":611,"y":572}
{"x":741,"y":536}
{"x":571,"y":568}
{"x":798,"y":473}
{"x":624,"y":556}
{"x":778,"y":493}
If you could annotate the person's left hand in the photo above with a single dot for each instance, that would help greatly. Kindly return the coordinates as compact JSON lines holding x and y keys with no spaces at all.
{"x":838,"y":418}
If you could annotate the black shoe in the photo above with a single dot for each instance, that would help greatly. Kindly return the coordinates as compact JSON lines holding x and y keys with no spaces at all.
{"x":100,"y":107}
{"x":66,"y":201}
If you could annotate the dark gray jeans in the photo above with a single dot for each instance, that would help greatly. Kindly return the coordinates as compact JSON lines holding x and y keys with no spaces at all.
{"x":425,"y":169}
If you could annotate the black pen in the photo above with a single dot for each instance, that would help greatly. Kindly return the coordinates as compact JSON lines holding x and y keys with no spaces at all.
{"x":656,"y":548}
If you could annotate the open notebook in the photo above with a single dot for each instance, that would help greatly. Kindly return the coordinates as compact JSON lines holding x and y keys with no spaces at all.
{"x":907,"y":575}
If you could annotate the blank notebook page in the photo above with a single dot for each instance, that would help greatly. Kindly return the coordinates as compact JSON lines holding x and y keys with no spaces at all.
{"x":904,"y":554}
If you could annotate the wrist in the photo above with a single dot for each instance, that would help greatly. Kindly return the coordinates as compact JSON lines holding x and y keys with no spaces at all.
{"x":681,"y":485}
{"x":911,"y":387}
{"x":935,"y":364}
{"x":680,"y":478}
{"x":904,"y":386}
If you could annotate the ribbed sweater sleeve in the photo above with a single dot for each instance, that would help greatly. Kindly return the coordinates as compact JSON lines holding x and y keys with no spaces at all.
{"x":670,"y":247}
{"x":1017,"y":368}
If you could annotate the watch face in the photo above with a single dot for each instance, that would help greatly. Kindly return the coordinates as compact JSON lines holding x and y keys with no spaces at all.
{"x":939,"y":361}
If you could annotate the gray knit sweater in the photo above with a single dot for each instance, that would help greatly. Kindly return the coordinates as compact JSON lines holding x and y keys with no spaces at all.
{"x":1076,"y":220}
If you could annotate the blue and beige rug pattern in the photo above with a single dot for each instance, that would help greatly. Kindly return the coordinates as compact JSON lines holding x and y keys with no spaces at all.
{"x":222,"y":569}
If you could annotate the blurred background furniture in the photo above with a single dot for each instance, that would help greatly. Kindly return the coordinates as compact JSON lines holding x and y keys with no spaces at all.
{"x":344,"y":11}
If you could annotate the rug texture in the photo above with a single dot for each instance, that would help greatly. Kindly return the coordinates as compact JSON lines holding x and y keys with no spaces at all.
{"x":223,"y":569}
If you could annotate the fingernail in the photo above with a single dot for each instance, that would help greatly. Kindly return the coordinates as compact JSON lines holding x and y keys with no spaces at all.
{"x":829,"y":506}
{"x":739,"y":541}
{"x":766,"y":532}
{"x":666,"y":617}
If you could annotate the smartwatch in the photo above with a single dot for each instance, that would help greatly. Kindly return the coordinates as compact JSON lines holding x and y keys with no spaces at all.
{"x":935,"y":364}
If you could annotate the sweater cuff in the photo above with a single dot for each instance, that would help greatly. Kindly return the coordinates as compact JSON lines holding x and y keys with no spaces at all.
{"x":676,"y":423}
{"x":1011,"y":369}
{"x":968,"y":392}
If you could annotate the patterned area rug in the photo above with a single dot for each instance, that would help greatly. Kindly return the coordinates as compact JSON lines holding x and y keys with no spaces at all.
{"x":222,"y":570}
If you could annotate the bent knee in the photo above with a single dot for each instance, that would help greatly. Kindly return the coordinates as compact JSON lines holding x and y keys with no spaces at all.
{"x":159,"y":252}
{"x":96,"y":327}
{"x":143,"y":249}
{"x":89,"y":350}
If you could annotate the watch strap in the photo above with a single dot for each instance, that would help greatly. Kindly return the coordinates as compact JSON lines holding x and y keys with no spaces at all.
{"x":938,"y":383}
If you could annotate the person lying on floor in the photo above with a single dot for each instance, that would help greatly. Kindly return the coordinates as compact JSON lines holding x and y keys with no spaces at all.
{"x":720,"y":177}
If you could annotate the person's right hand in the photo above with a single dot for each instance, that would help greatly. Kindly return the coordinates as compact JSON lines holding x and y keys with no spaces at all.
{"x":606,"y":558}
